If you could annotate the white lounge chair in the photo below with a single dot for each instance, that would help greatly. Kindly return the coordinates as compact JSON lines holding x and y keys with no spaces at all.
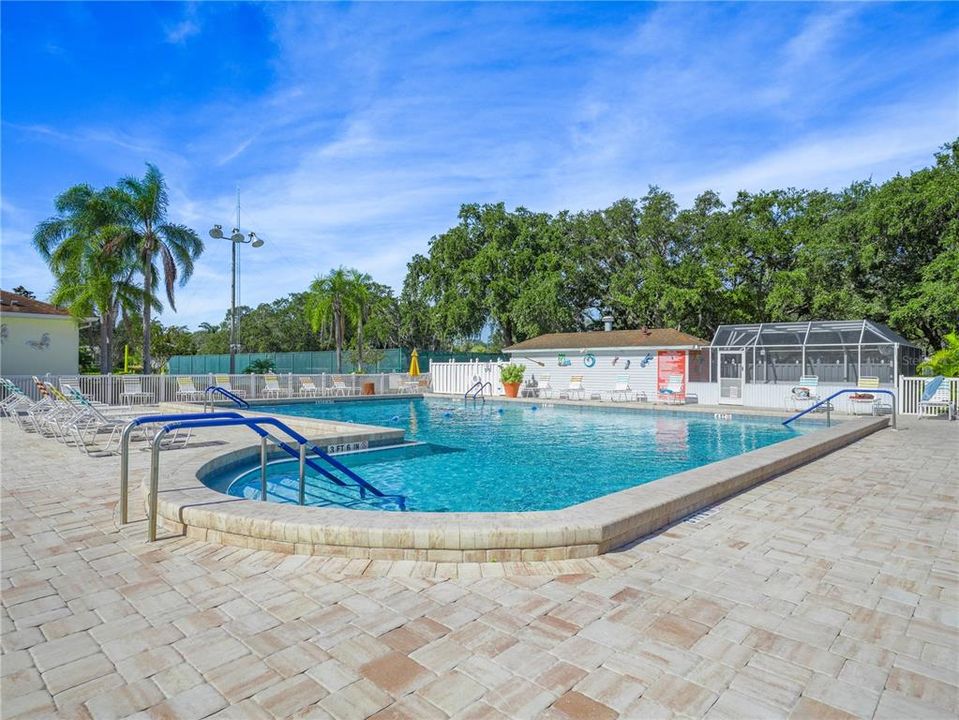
{"x":545,"y":389}
{"x":224,"y":382}
{"x":186,"y":390}
{"x":308,"y":388}
{"x":340,"y":387}
{"x":936,"y":398}
{"x":272,"y":386}
{"x":674,"y":392}
{"x":576,"y":388}
{"x":865,"y":401}
{"x":133,"y":392}
{"x":622,"y":389}
{"x":805,"y":393}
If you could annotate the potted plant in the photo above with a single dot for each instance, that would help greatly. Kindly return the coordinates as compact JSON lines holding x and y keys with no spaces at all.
{"x":512,"y":377}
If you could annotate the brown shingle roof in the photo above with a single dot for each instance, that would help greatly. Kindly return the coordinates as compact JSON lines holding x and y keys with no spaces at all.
{"x":653,"y":337}
{"x":13,"y":303}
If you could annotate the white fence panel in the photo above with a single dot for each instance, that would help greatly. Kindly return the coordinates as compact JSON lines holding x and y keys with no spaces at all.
{"x":911,"y":389}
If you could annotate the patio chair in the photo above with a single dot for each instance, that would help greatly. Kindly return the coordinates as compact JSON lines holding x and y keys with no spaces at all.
{"x":866,"y":401}
{"x":308,"y":388}
{"x":224,"y":382}
{"x":272,"y":386}
{"x":545,"y":389}
{"x":673,"y":393}
{"x":339,"y":387}
{"x":186,"y":390}
{"x":576,"y":387}
{"x":622,"y":389}
{"x":14,"y":398}
{"x":133,"y":392}
{"x":936,"y":398}
{"x":806,"y":393}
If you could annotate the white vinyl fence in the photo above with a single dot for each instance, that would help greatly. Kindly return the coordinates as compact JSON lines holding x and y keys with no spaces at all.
{"x":911,"y":389}
{"x":164,"y":388}
{"x":455,"y":378}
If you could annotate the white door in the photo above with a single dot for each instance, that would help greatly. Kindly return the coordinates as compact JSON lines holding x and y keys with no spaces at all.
{"x":732,"y":374}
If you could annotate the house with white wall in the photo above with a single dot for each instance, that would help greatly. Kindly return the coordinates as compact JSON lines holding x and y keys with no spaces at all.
{"x":37,"y":338}
{"x":645,"y":358}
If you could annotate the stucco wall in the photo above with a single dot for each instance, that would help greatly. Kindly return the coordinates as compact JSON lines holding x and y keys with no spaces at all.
{"x":35,"y":345}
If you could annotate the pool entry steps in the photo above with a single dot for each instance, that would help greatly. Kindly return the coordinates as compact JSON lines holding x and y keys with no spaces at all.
{"x":368,"y":493}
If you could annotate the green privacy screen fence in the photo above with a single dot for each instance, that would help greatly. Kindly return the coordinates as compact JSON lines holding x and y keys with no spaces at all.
{"x":394,"y":360}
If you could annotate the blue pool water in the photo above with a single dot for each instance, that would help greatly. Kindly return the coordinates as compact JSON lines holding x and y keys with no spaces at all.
{"x":515,"y":457}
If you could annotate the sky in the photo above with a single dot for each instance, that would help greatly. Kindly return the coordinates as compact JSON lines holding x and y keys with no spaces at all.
{"x":356,"y":131}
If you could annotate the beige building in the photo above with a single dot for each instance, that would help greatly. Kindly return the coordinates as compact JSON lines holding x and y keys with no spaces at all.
{"x":36,"y":338}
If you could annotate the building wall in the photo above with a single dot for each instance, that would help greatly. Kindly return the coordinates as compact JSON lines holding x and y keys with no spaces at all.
{"x":603,"y":376}
{"x":36,"y":345}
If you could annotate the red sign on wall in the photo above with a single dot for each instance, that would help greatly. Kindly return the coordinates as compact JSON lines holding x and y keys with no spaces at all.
{"x":671,"y":375}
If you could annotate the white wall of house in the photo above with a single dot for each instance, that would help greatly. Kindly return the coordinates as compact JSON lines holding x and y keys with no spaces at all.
{"x":38,"y":344}
{"x":602,"y":377}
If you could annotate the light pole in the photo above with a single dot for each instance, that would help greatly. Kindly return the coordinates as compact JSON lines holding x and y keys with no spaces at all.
{"x":236,"y":237}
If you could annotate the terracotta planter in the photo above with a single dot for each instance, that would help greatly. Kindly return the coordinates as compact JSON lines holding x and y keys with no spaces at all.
{"x":512,"y":389}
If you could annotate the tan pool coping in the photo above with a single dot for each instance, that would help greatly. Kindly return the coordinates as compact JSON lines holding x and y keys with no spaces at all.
{"x":188,"y":507}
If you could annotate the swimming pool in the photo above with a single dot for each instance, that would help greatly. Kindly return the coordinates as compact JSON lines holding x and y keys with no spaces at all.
{"x":513,"y":457}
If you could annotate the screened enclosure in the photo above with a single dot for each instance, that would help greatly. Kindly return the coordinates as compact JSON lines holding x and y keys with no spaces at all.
{"x":836,"y":352}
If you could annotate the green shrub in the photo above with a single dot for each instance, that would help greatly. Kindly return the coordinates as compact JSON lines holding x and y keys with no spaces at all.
{"x":512,"y":373}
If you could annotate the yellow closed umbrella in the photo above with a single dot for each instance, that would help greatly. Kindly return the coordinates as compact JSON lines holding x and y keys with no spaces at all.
{"x":414,"y":364}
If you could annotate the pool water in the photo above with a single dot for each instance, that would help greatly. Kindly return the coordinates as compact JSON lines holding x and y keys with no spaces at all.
{"x":514,"y":457}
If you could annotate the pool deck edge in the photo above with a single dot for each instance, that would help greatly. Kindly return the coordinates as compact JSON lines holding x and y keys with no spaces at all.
{"x":188,"y":507}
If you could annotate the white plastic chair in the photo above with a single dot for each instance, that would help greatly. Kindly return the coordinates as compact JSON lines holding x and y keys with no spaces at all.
{"x":224,"y":382}
{"x":272,"y":386}
{"x":308,"y":388}
{"x":673,"y":393}
{"x":806,"y":392}
{"x":186,"y":390}
{"x":133,"y":392}
{"x":576,"y":387}
{"x":545,"y":389}
{"x":622,"y":389}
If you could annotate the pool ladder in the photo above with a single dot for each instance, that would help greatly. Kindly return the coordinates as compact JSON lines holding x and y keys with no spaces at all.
{"x":477,"y":389}
{"x":171,"y":423}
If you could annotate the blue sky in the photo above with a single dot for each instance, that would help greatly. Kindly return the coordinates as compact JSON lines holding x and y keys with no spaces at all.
{"x":356,"y":131}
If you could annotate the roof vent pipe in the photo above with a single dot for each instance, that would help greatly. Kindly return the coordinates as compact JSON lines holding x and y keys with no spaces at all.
{"x":607,"y":323}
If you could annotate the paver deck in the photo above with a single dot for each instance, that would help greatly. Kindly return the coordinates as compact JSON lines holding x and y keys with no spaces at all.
{"x":828,"y":592}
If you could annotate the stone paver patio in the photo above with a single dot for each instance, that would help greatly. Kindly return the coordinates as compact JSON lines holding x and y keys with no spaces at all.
{"x":829,"y":592}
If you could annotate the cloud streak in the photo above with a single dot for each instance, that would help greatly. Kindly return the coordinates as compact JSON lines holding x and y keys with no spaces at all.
{"x":374,"y":123}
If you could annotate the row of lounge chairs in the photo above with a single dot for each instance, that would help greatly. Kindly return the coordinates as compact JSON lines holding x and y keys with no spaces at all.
{"x":187,"y":390}
{"x":67,"y":415}
{"x":673,"y":392}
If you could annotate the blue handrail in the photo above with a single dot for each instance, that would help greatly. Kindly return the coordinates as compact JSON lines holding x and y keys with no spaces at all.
{"x":217,"y":390}
{"x":255,"y":423}
{"x":125,"y":447}
{"x":865,"y":391}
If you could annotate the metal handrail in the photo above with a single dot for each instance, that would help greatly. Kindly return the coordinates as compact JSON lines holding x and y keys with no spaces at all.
{"x":479,"y":386}
{"x":218,"y":390}
{"x":864,"y":391}
{"x":254,"y":424}
{"x":478,"y":383}
{"x":125,"y":448}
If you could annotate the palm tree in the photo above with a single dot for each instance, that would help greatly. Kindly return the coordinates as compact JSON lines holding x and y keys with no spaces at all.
{"x":89,"y":280}
{"x":329,"y":301}
{"x":144,"y":204}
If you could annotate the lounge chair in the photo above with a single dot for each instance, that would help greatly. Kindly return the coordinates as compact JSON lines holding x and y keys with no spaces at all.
{"x":186,"y":390}
{"x":340,"y":387}
{"x":308,"y":388}
{"x":622,"y":389}
{"x":674,"y":392}
{"x":806,"y":392}
{"x":133,"y":392}
{"x":272,"y":386}
{"x":866,"y":401}
{"x":576,"y":387}
{"x":936,"y":398}
{"x":224,"y":382}
{"x":545,"y":389}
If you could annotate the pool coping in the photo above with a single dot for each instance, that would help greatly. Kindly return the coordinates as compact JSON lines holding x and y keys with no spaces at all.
{"x":584,"y":530}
